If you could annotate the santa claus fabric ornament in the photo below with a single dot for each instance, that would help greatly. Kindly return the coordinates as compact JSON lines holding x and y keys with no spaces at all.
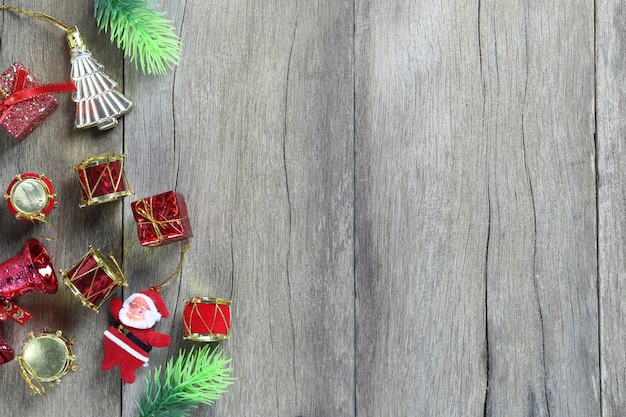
{"x":128,"y":342}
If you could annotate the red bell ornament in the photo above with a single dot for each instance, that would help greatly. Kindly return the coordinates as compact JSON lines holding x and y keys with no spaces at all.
{"x":29,"y":271}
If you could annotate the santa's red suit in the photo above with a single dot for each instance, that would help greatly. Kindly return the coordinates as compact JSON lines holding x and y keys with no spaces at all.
{"x":128,"y":342}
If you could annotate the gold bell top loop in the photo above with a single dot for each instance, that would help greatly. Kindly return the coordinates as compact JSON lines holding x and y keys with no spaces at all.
{"x":74,"y":39}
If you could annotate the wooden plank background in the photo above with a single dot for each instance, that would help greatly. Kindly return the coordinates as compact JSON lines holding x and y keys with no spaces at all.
{"x":417,"y":208}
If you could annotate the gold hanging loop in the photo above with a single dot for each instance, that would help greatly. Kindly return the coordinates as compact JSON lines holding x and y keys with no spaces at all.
{"x":176,"y":274}
{"x":48,"y":238}
{"x":38,"y":16}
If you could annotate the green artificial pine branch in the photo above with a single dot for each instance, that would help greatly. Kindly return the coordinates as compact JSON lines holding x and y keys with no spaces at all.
{"x":142,"y":32}
{"x":198,"y":376}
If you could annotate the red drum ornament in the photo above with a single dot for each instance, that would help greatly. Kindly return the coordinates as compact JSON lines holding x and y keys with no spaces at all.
{"x":94,"y":279}
{"x":30,"y":197}
{"x":102,"y":179}
{"x":206,"y":319}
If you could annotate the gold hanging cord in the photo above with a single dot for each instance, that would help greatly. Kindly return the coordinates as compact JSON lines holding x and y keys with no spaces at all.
{"x":39,"y":16}
{"x":54,"y":228}
{"x":175,"y":275}
{"x":126,"y":255}
{"x":168,"y":279}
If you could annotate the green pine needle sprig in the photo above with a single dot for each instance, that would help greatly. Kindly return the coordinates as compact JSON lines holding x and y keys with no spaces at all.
{"x":141,"y":31}
{"x":196,"y":376}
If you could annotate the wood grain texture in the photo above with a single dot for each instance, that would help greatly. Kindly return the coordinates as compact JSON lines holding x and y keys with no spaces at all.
{"x":542,"y":291}
{"x":422,"y":219}
{"x":510,"y":239}
{"x":610,"y":46}
{"x":416,"y":207}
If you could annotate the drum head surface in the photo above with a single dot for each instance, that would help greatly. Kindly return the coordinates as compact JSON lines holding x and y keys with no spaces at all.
{"x":30,"y":196}
{"x":47,"y":356}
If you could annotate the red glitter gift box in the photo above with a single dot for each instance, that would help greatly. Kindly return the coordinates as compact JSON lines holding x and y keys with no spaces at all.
{"x":161,"y":219}
{"x":25,"y":103}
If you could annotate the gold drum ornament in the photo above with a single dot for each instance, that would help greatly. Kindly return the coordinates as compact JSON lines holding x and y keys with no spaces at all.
{"x":46,"y":358}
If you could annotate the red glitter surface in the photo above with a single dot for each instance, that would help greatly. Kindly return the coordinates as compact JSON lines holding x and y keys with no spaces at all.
{"x":24,"y":117}
{"x":103,"y":179}
{"x":161,"y":219}
{"x":91,"y":280}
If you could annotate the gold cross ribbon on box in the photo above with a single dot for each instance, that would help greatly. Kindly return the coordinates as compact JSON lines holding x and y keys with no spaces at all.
{"x":146,"y":211}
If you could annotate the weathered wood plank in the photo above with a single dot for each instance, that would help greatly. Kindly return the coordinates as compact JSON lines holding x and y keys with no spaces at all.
{"x":422,"y":219}
{"x":261,"y":146}
{"x":610,"y":46}
{"x":524,"y":202}
{"x":153,"y":164}
{"x":542,"y":293}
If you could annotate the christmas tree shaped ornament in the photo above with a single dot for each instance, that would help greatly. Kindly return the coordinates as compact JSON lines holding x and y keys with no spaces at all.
{"x":98,"y":103}
{"x":46,"y":357}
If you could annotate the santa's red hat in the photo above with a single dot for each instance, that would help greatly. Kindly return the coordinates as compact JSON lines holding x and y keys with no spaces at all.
{"x":154,"y":300}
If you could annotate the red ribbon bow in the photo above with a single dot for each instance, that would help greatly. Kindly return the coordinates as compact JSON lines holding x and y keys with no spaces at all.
{"x":20,"y":93}
{"x":10,"y":310}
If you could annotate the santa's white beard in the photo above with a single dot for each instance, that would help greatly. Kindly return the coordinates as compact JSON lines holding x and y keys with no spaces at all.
{"x":147,"y":323}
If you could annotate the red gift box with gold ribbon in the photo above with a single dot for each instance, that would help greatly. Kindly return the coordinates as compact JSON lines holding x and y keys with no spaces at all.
{"x":24,"y":102}
{"x":161,"y":219}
